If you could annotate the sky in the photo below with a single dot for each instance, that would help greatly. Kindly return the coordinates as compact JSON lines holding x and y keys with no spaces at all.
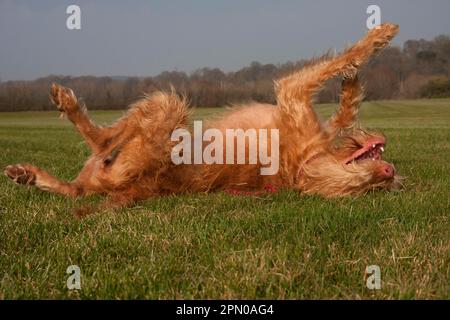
{"x":143,"y":38}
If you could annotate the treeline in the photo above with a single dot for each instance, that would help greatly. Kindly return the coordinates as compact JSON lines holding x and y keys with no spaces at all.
{"x":420,"y":69}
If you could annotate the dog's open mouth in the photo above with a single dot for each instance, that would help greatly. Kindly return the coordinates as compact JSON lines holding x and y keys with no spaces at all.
{"x":371,"y":150}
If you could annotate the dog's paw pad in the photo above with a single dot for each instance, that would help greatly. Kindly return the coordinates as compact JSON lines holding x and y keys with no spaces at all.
{"x":20,"y":175}
{"x":64,"y":98}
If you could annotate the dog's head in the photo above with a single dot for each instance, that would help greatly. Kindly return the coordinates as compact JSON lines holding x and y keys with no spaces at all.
{"x":353,"y":165}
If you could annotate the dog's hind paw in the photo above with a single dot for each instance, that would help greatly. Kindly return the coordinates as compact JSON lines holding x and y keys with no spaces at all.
{"x":383,"y":34}
{"x":20,"y":175}
{"x":64,"y":98}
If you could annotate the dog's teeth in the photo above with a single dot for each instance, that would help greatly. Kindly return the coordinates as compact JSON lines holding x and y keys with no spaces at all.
{"x":373,"y":159}
{"x":382,"y":149}
{"x":373,"y":146}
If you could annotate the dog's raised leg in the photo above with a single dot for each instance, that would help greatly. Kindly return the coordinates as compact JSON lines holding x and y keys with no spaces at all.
{"x":65,"y":100}
{"x":294,"y":92}
{"x":303,"y":84}
{"x":26,"y":174}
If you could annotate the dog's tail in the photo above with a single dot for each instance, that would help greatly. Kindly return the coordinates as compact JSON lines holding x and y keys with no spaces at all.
{"x":159,"y":113}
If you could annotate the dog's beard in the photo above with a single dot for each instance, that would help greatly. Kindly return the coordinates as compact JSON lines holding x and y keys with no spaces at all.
{"x":354,"y":166}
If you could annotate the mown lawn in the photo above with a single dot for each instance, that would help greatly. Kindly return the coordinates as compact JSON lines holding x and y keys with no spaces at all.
{"x":282,"y":246}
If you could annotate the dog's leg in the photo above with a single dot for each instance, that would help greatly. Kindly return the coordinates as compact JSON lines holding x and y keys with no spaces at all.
{"x":303,"y":84}
{"x":294,"y":92}
{"x":113,"y":203}
{"x":26,"y":174}
{"x":96,"y":136}
{"x":347,"y":114}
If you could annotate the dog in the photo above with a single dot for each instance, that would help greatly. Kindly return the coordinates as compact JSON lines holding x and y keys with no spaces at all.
{"x":131,"y":159}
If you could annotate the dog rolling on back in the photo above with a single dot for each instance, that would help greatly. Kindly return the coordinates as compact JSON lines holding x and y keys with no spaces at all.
{"x":131,"y":159}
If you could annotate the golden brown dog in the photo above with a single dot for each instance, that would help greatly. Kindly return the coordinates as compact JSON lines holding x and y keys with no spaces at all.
{"x":131,"y":160}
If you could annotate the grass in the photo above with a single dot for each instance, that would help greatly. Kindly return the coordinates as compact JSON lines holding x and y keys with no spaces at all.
{"x":283,"y":246}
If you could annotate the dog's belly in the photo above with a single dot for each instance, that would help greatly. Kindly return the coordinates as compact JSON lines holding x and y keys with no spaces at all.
{"x":203,"y":177}
{"x":252,"y":116}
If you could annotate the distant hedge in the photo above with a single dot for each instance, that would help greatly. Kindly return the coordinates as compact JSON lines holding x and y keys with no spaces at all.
{"x":420,"y":69}
{"x":437,"y":88}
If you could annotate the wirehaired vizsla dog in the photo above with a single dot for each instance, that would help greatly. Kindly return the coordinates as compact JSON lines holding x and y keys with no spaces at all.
{"x":131,"y":159}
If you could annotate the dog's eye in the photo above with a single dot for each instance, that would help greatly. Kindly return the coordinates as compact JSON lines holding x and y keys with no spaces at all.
{"x":107,"y":161}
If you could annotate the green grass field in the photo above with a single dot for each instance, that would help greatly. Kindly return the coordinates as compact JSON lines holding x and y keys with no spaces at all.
{"x":282,"y":246}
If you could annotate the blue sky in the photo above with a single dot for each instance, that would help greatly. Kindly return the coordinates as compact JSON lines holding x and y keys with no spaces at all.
{"x":143,"y":38}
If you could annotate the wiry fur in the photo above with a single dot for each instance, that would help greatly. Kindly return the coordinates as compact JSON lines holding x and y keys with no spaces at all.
{"x":131,"y":160}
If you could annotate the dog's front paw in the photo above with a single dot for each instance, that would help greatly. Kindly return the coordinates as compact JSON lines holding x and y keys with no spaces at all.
{"x":20,"y":174}
{"x":64,"y":98}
